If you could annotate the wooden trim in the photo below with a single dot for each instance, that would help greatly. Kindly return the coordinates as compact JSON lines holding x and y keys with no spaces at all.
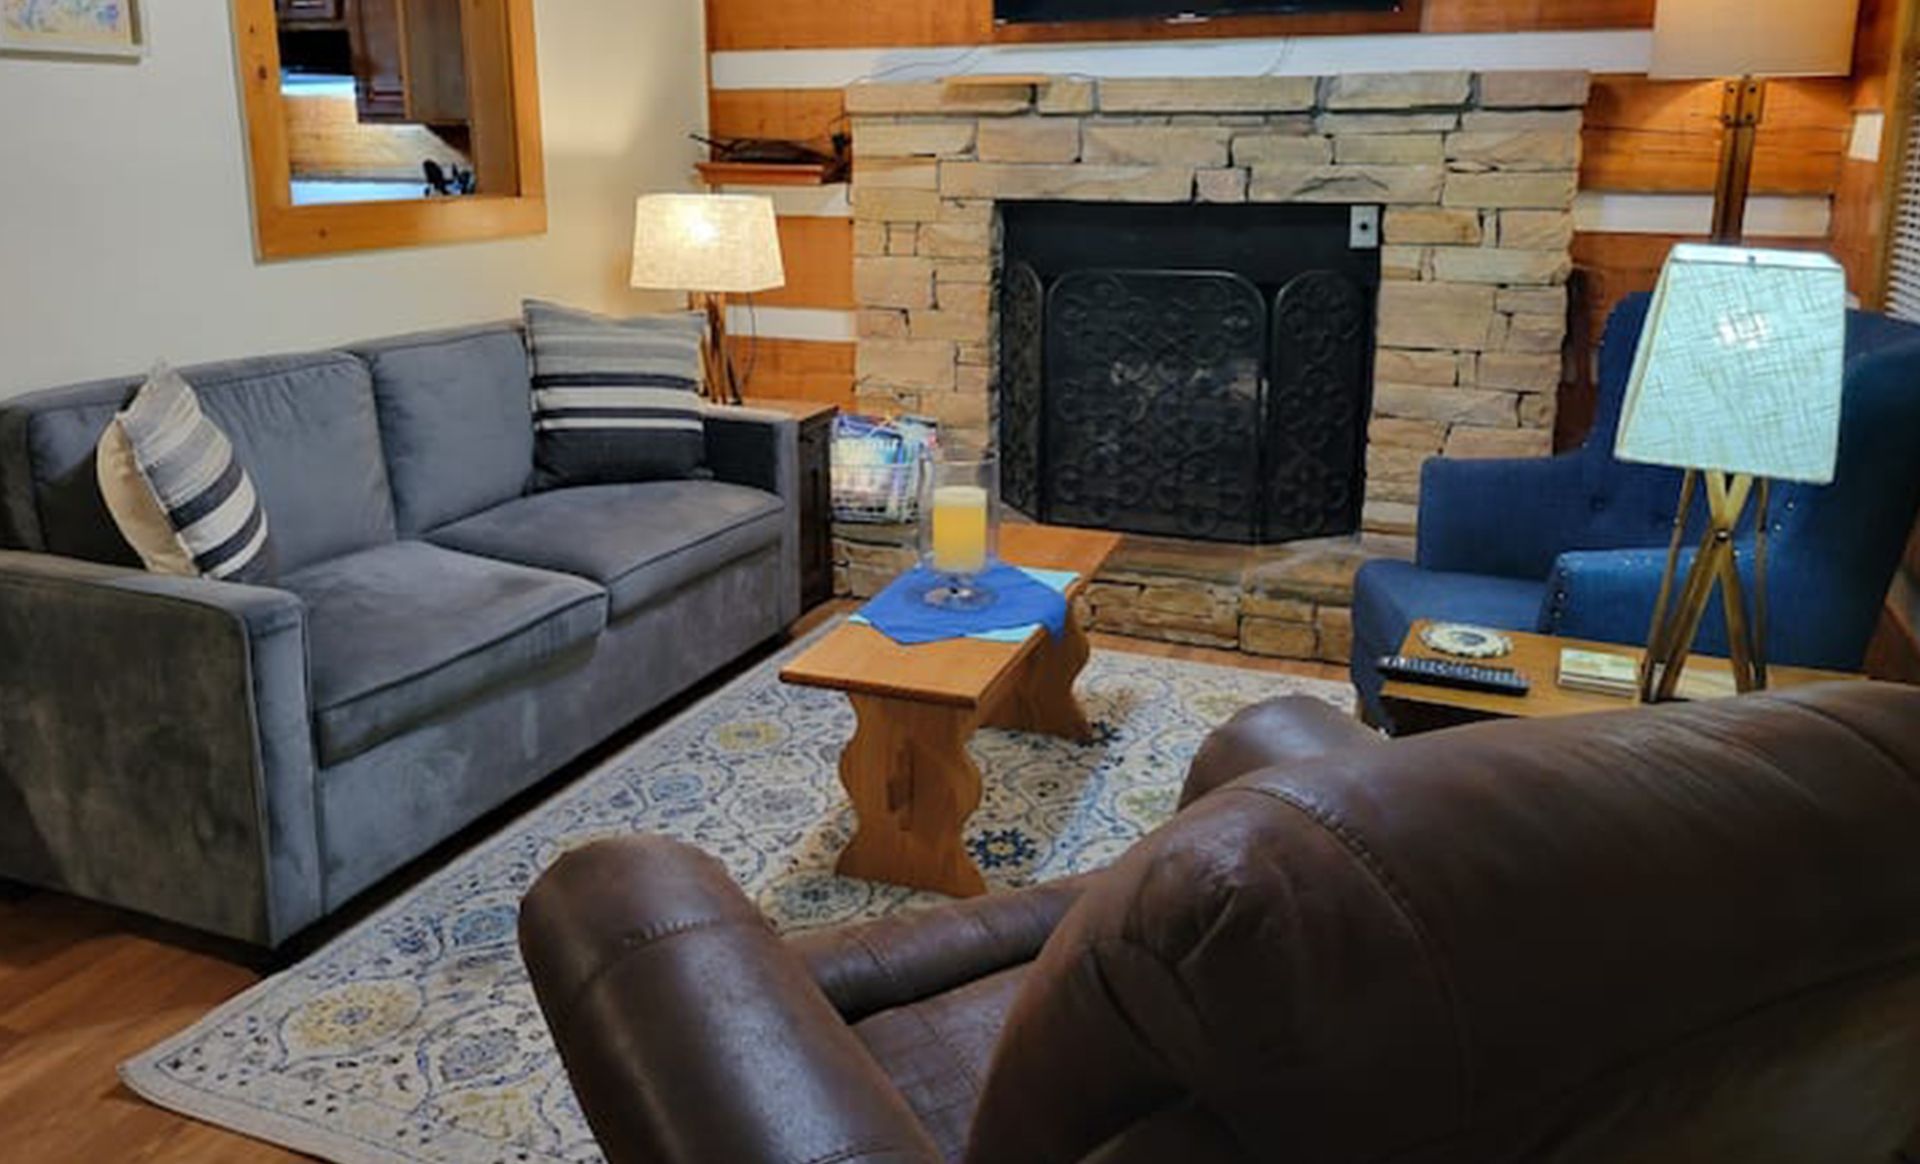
{"x":285,"y":231}
{"x":1894,"y":147}
{"x":1407,"y":19}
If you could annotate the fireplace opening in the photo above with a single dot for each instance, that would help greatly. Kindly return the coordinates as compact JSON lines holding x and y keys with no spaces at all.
{"x":1194,"y":371}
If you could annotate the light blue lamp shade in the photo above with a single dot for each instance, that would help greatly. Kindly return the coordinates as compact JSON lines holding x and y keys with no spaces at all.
{"x":1740,"y":366}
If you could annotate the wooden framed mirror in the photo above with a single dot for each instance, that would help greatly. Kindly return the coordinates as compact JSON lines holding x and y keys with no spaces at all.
{"x":374,"y":124}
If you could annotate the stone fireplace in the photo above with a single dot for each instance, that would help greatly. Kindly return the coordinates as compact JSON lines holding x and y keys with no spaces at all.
{"x":1470,"y":179}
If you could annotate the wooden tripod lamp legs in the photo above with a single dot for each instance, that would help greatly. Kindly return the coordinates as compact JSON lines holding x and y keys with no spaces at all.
{"x":722,"y":384}
{"x":1716,"y":563}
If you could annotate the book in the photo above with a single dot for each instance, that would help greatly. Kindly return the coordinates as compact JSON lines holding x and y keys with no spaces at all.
{"x":1599,"y":672}
{"x":1605,"y":673}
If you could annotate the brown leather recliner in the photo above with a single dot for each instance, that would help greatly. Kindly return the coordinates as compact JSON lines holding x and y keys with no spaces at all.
{"x":1685,"y":935}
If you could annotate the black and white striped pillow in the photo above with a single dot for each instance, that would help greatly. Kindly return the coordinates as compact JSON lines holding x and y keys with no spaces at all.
{"x":170,"y":480}
{"x":615,"y":399}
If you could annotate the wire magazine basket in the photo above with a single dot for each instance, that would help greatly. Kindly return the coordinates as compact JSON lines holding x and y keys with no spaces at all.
{"x":878,"y":465}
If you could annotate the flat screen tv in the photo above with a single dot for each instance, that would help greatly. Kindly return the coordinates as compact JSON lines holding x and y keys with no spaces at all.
{"x":1047,"y":11}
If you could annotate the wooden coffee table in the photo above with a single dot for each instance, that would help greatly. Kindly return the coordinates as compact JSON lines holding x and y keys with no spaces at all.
{"x":907,"y":770}
{"x":1423,"y":707}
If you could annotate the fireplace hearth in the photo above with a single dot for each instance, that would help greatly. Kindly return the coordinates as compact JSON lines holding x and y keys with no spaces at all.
{"x":1188,"y":371}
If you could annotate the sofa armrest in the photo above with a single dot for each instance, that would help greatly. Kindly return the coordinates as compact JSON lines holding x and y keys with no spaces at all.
{"x":1273,"y":734}
{"x":159,"y":753}
{"x":691,"y":1032}
{"x":753,"y":446}
{"x":895,"y":960}
{"x":761,"y":449}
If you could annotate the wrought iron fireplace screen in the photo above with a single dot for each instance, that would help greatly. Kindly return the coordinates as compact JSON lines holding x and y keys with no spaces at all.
{"x":1185,"y":403}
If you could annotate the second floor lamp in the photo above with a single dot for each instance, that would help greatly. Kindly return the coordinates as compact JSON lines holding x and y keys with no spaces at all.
{"x":1742,"y":44}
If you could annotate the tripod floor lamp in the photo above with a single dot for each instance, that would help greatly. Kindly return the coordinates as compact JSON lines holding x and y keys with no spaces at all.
{"x":1737,"y":381}
{"x":1738,"y":375}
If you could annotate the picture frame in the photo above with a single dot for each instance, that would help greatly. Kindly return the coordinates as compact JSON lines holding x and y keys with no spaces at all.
{"x":73,"y":28}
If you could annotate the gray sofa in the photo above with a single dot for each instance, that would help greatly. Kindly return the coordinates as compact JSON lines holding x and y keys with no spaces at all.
{"x":245,"y":760}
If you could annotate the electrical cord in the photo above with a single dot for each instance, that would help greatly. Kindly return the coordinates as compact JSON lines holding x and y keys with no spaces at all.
{"x":753,"y":342}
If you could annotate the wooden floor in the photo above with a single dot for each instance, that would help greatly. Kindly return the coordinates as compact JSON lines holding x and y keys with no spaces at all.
{"x":83,"y":987}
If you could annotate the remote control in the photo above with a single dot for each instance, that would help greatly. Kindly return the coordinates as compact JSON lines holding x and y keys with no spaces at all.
{"x":1445,"y":673}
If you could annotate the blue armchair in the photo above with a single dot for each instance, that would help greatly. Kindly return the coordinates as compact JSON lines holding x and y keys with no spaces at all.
{"x":1574,"y":545}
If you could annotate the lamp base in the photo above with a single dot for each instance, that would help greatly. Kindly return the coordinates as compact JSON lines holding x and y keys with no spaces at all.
{"x":1677,"y":618}
{"x":722,"y":382}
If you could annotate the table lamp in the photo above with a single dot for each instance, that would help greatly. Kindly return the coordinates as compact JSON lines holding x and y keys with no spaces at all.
{"x":1737,"y":381}
{"x":712,"y":246}
{"x":1748,"y":42}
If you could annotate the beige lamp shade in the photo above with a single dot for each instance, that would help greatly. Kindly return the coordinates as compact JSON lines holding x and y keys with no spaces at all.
{"x":718,"y":243}
{"x":1695,"y":39}
{"x":1740,"y":365}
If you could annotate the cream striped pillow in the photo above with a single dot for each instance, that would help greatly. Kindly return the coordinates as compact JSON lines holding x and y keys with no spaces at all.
{"x":170,"y":480}
{"x":615,"y":400}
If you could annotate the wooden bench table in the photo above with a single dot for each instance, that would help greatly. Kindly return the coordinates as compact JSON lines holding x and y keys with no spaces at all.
{"x":907,"y":770}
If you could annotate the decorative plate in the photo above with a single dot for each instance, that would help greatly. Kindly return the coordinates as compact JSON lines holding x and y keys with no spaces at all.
{"x":1468,"y":642}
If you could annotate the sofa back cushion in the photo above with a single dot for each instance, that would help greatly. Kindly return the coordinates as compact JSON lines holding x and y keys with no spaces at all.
{"x":456,"y":420}
{"x":303,"y":427}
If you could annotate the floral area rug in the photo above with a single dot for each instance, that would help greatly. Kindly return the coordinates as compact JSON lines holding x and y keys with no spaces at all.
{"x":414,"y":1037}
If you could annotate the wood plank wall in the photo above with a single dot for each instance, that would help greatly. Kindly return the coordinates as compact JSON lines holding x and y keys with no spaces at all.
{"x":1642,"y":136}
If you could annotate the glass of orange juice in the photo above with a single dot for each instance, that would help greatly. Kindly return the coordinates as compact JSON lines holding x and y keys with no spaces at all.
{"x":959,"y":527}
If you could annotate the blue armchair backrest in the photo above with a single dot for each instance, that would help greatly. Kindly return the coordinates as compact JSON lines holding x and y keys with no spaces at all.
{"x":1834,"y":547}
{"x":1618,"y":343}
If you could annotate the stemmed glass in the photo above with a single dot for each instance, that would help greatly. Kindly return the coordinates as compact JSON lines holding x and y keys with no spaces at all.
{"x":959,"y":527}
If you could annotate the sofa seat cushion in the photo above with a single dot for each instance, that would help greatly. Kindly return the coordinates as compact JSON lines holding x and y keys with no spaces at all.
{"x":400,"y":633}
{"x":642,"y":541}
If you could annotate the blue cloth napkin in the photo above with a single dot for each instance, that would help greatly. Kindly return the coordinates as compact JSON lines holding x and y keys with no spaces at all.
{"x":903,"y":614}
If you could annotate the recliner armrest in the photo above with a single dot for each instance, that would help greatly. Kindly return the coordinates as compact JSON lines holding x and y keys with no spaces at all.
{"x":1271,"y":735}
{"x":159,"y":752}
{"x":691,"y":1032}
{"x":896,"y":960}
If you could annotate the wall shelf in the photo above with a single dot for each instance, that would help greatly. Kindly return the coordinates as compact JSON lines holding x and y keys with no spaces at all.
{"x":764,"y":173}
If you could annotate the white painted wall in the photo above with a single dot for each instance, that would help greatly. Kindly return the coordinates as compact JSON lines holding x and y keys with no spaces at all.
{"x":126,"y":229}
